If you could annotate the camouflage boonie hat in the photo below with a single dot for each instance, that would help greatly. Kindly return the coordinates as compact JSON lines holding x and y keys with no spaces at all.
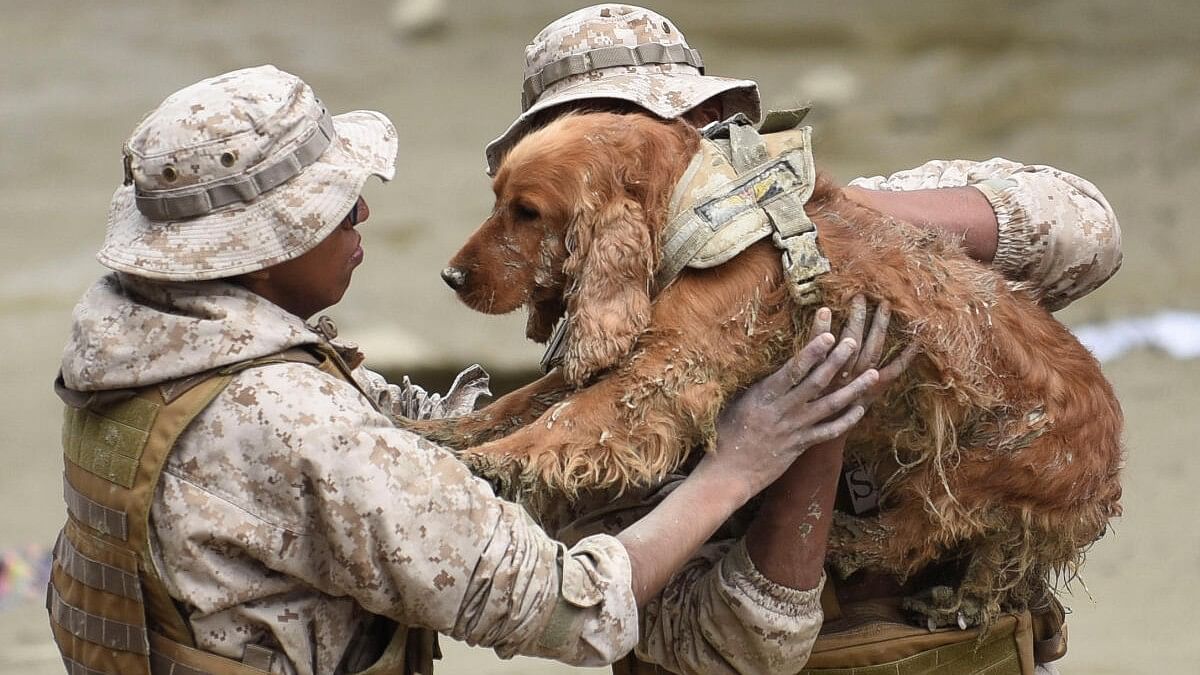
{"x":237,"y":173}
{"x":622,"y":52}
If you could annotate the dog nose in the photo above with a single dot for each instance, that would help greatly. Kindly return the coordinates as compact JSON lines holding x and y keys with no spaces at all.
{"x":454,"y":277}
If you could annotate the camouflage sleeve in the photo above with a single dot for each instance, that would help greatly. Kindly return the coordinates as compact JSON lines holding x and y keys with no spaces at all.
{"x":720,"y":615}
{"x":295,"y":470}
{"x":1058,"y":236}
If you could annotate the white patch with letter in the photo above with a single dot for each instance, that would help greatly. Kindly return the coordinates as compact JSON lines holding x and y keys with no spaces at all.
{"x":864,"y":496}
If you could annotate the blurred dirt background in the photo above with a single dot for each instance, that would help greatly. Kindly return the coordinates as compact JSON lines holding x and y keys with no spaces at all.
{"x":1109,"y":89}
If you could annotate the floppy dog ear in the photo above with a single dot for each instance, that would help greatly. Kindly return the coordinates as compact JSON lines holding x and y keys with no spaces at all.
{"x":609,"y":268}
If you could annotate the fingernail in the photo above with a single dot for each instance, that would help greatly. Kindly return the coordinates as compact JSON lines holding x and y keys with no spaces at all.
{"x":823,"y":313}
{"x":826,"y":339}
{"x":848,"y":344}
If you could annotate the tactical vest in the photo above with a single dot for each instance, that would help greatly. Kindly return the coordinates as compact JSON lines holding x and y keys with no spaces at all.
{"x":109,"y":610}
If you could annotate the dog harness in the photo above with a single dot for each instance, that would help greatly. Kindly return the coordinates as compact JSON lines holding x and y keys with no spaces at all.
{"x":743,"y":185}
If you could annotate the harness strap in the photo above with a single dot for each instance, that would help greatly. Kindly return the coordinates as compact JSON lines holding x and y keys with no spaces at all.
{"x":108,"y":521}
{"x":779,"y":187}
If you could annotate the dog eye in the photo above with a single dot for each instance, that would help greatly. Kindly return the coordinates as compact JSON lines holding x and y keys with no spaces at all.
{"x":525,"y":212}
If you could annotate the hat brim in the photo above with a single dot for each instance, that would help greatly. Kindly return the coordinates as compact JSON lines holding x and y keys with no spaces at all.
{"x":667,"y":95}
{"x":277,"y":226}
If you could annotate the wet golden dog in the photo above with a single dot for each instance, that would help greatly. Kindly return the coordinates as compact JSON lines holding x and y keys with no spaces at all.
{"x":998,"y":450}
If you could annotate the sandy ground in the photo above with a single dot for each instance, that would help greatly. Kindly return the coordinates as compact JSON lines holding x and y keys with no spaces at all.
{"x":1106,"y":88}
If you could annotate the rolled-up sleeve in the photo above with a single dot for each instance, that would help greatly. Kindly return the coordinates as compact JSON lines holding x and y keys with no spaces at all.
{"x":1058,"y":237}
{"x":721,"y":615}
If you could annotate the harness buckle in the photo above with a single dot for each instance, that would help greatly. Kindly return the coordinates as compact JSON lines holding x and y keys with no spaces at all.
{"x":803,"y":264}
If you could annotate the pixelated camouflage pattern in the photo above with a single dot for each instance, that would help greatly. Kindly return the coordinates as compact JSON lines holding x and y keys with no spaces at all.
{"x":667,"y":90}
{"x":292,"y":510}
{"x":1058,"y":236}
{"x":718,"y":614}
{"x":219,"y":130}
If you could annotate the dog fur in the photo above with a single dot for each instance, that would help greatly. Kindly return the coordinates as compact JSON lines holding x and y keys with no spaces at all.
{"x":997,"y":451}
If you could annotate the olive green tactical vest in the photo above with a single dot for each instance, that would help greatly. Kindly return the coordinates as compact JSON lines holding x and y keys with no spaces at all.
{"x":109,"y":611}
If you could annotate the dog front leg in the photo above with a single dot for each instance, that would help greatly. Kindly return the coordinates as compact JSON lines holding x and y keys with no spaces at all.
{"x":630,"y":428}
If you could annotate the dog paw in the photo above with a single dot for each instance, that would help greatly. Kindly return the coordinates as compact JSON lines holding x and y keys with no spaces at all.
{"x":942,"y":607}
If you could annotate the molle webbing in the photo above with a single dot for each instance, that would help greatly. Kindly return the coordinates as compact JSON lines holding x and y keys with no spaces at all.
{"x":110,"y":612}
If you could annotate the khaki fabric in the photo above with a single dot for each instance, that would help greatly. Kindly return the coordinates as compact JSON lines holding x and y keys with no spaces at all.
{"x":718,"y":614}
{"x":667,"y":89}
{"x":258,"y":140}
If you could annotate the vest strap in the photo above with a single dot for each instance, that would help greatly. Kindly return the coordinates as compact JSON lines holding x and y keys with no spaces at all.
{"x":172,"y":658}
{"x":94,"y":573}
{"x":108,"y":521}
{"x":76,"y":668}
{"x":94,"y":628}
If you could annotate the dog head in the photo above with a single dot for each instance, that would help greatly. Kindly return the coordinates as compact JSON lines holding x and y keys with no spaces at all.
{"x":579,"y":207}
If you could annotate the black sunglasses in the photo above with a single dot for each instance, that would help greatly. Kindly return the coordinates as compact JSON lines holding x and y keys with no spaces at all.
{"x":352,"y":217}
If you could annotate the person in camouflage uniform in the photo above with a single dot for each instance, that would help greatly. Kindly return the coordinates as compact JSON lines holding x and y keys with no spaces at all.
{"x":1050,"y":232}
{"x":290,"y":516}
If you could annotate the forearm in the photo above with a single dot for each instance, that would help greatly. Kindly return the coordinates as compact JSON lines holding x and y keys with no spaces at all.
{"x":1055,"y":232}
{"x":787,"y":539}
{"x":663,"y":540}
{"x":963,"y":212}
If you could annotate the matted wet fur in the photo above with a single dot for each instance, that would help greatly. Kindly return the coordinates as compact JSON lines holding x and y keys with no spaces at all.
{"x":998,"y":450}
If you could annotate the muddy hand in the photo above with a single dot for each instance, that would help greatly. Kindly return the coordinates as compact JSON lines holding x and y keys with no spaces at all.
{"x":770,"y":424}
{"x":869,"y":356}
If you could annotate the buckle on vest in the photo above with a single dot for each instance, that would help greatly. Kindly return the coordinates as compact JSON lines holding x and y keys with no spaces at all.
{"x":803,"y":263}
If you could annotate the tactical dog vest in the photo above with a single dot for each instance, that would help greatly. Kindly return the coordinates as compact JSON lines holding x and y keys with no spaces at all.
{"x":109,"y":609}
{"x":742,"y":186}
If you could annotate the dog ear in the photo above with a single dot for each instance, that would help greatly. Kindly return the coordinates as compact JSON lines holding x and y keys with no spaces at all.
{"x":609,"y":268}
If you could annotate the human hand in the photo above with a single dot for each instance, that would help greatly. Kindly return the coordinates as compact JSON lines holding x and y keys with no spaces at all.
{"x":868,"y":357}
{"x":770,"y":424}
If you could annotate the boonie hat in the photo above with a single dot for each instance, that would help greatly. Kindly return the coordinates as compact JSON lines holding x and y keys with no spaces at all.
{"x":622,"y":52}
{"x":237,"y":173}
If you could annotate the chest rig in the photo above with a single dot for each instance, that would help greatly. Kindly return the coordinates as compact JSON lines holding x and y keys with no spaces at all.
{"x":110,"y":612}
{"x":741,"y":186}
